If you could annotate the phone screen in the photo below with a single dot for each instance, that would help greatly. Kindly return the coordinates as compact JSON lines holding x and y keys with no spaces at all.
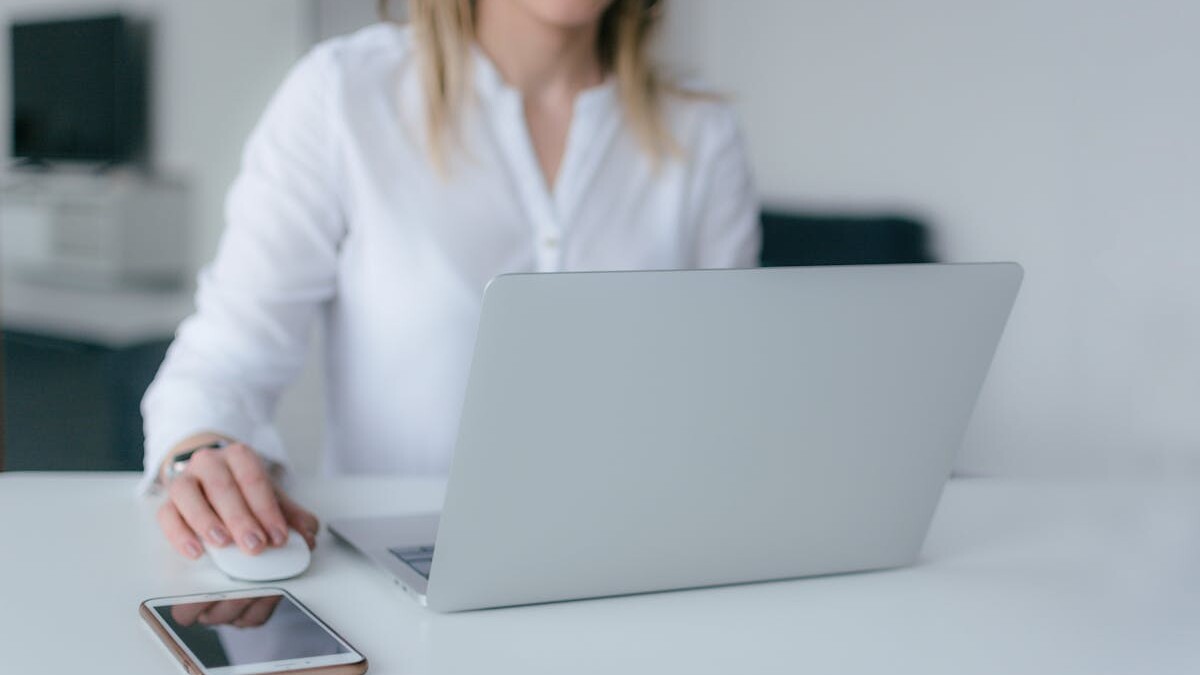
{"x":248,"y":630}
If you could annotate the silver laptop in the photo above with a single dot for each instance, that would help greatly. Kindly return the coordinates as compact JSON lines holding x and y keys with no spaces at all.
{"x":626,"y":432}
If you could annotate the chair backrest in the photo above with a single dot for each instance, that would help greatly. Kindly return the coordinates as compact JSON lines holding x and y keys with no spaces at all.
{"x":798,"y":238}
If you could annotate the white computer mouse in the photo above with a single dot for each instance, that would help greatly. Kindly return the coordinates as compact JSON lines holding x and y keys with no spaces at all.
{"x":272,"y":564}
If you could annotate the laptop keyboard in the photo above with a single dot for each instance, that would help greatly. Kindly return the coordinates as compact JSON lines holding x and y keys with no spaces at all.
{"x":420,"y":558}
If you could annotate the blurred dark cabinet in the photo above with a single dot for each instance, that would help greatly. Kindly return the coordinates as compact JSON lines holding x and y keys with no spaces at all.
{"x":76,"y":364}
{"x":74,"y":405}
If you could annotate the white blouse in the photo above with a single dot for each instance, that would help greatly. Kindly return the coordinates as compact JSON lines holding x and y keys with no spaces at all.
{"x":338,"y":216}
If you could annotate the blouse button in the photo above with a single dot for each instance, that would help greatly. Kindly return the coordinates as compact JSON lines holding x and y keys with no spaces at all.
{"x":550,"y":241}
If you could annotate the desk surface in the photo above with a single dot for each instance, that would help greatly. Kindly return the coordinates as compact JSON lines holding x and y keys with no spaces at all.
{"x":1016,"y":577}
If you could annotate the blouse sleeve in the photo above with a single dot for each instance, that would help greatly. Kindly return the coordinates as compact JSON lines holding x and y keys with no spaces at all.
{"x":728,"y":233}
{"x":275,"y":268}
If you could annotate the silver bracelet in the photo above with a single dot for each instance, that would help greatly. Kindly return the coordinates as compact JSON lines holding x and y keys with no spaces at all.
{"x":180,"y":462}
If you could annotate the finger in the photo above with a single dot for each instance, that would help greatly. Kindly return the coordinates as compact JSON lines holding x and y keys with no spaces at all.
{"x":225,"y":611}
{"x":212,"y":470}
{"x":300,"y":519}
{"x":258,"y":612}
{"x":178,"y":532}
{"x":189,"y":499}
{"x":258,"y":490}
{"x":186,"y":613}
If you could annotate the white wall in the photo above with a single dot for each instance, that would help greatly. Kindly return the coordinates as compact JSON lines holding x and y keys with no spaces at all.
{"x":337,"y":17}
{"x":1063,"y":134}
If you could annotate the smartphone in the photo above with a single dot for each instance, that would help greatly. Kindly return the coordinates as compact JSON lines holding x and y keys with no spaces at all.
{"x":257,"y":630}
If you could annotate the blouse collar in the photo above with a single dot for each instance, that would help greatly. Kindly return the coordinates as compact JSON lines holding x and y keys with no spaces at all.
{"x":490,"y":85}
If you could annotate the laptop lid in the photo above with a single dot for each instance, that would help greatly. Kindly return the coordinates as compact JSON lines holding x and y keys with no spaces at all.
{"x":627,"y":432}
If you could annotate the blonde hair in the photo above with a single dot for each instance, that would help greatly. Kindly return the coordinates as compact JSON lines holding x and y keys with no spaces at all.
{"x":444,"y":30}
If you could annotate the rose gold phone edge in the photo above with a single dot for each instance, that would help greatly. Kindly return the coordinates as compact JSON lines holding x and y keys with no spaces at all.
{"x":192,"y":667}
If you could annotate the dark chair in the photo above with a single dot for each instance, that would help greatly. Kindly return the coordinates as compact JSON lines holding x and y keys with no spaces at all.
{"x":797,"y":238}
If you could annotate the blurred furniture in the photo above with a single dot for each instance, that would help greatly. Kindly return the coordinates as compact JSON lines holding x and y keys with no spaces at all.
{"x":805,"y":238}
{"x":1017,"y":576}
{"x":76,"y":364}
{"x":112,"y":230}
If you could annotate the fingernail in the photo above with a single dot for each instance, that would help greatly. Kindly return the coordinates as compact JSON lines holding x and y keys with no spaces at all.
{"x":192,"y":549}
{"x":252,"y":541}
{"x":219,"y":535}
{"x":278,"y":536}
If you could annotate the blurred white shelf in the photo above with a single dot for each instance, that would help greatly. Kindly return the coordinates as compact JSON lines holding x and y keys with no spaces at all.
{"x":110,"y":318}
{"x":113,"y":230}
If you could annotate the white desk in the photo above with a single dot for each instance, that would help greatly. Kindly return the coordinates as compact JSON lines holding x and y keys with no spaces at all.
{"x":1019,"y":578}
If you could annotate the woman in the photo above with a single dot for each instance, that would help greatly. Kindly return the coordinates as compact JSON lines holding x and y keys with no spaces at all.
{"x":396,"y":171}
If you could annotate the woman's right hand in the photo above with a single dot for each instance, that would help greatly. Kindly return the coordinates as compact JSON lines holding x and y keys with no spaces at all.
{"x":227,"y":496}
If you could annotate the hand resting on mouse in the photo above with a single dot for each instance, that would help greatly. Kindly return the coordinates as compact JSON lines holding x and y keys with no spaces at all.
{"x":227,"y":496}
